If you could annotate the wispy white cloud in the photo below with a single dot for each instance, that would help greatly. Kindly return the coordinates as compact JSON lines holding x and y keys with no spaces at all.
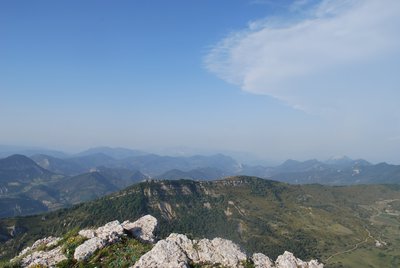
{"x":339,"y":54}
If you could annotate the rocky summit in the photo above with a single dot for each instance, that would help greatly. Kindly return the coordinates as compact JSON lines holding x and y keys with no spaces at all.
{"x":89,"y":246}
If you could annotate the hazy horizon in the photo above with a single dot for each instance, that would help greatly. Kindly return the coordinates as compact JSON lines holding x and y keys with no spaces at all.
{"x":276,"y":80}
{"x":242,"y":157}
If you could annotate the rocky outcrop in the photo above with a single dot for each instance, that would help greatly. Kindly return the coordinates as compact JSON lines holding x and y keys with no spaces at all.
{"x":99,"y":238}
{"x":107,"y":232}
{"x":87,"y":233}
{"x":176,"y":251}
{"x":166,"y":254}
{"x":142,"y":229}
{"x":111,"y":232}
{"x":43,"y":243}
{"x":288,"y":260}
{"x":43,"y":258}
{"x":88,"y":247}
{"x":220,"y":251}
{"x":262,"y":261}
{"x":41,"y":252}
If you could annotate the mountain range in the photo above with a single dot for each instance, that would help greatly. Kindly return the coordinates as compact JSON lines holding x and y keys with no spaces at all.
{"x":343,"y":226}
{"x":39,"y":183}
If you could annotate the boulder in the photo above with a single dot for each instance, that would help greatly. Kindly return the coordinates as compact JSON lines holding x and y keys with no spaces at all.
{"x":221,"y":251}
{"x":43,"y":258}
{"x":288,"y":260}
{"x":44,"y":242}
{"x":179,"y":251}
{"x":315,"y":264}
{"x":262,"y":261}
{"x":110,"y":232}
{"x":188,"y":246}
{"x":85,"y":250}
{"x":142,"y":229}
{"x":87,"y":233}
{"x":165,"y":254}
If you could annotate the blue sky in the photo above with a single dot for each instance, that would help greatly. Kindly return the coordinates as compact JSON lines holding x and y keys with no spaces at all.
{"x":279,"y":79}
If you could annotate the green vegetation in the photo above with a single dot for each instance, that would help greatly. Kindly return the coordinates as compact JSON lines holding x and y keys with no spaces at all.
{"x":337,"y":225}
{"x":71,"y":244}
{"x":119,"y":255}
{"x":122,"y":254}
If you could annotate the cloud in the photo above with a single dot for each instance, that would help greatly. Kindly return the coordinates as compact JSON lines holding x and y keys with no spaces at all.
{"x":330,"y":56}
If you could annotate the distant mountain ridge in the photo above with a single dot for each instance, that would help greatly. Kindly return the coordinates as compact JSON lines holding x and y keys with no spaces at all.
{"x":57,"y":182}
{"x":335,"y":171}
{"x":27,"y":188}
{"x":21,"y":168}
{"x":116,"y":153}
{"x":58,"y":165}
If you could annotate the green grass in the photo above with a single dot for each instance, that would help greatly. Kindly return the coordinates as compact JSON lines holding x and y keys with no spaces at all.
{"x":367,"y":257}
{"x":122,"y":254}
{"x":119,"y":255}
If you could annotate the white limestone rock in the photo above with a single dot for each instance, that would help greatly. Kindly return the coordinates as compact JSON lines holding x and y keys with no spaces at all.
{"x":87,"y":233}
{"x":178,"y":251}
{"x":262,"y":261}
{"x":142,"y":229}
{"x":46,"y":242}
{"x":165,"y":254}
{"x":315,"y":264}
{"x":110,"y":232}
{"x":85,"y":250}
{"x":288,"y":260}
{"x":43,"y":258}
{"x":188,"y":246}
{"x":221,"y":251}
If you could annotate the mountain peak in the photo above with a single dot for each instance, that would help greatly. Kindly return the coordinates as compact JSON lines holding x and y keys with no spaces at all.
{"x":17,"y":161}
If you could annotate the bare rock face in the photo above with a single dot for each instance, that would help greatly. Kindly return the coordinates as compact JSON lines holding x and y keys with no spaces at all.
{"x":43,"y":258}
{"x":99,"y":238}
{"x":179,"y":251}
{"x":220,"y":251}
{"x":315,"y":264}
{"x":165,"y":254}
{"x":142,"y":229}
{"x":288,"y":260}
{"x":110,"y":232}
{"x":82,"y":252}
{"x":262,"y":261}
{"x":188,"y":246}
{"x":87,"y":233}
{"x":45,"y":242}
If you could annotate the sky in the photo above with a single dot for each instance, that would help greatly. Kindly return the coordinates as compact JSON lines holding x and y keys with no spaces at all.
{"x":277,"y":79}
